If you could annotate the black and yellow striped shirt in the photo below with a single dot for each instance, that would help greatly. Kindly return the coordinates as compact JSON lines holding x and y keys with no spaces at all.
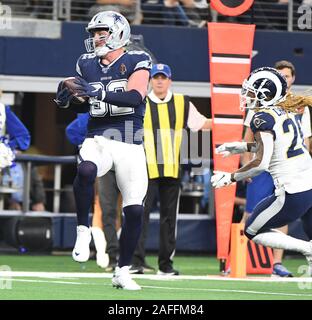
{"x":163,"y":133}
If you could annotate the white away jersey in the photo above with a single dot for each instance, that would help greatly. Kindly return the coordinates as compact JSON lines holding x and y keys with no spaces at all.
{"x":291,"y":163}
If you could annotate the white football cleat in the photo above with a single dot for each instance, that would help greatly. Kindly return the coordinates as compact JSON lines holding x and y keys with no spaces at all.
{"x":122,"y":279}
{"x":102,"y":258}
{"x":81,"y":251}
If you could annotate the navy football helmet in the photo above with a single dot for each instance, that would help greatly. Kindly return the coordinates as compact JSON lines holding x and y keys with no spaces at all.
{"x":264,"y":88}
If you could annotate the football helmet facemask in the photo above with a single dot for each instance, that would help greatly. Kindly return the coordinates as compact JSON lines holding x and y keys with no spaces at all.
{"x":118,"y":32}
{"x":264,"y":88}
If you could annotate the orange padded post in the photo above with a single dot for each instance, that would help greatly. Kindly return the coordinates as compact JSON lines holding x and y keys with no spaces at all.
{"x":238,"y":253}
{"x":230,"y":50}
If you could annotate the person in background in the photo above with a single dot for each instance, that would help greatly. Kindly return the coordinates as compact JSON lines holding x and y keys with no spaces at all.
{"x":164,"y":110}
{"x":14,"y":137}
{"x":130,"y":9}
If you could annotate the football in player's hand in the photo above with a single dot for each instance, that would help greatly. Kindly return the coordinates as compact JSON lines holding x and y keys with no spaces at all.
{"x":72,"y":87}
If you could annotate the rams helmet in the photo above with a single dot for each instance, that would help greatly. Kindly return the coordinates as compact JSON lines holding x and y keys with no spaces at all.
{"x":264,"y":88}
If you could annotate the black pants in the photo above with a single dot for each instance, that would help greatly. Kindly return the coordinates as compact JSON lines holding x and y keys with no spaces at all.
{"x":169,"y":194}
{"x":108,"y":194}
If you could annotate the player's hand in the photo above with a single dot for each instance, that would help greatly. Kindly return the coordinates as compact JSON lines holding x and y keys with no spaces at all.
{"x":85,"y":89}
{"x":6,"y":156}
{"x":221,"y":179}
{"x":63,"y":96}
{"x":229,"y":148}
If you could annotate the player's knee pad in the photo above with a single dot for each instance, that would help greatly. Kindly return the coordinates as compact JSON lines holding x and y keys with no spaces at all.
{"x":86,"y":172}
{"x":134,"y":214}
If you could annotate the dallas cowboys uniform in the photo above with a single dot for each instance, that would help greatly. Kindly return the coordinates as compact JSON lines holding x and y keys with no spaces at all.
{"x":291,"y":169}
{"x":116,"y":104}
{"x":114,"y":137}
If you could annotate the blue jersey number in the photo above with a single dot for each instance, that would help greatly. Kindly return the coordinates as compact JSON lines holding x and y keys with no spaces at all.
{"x":295,"y":148}
{"x":100,"y":109}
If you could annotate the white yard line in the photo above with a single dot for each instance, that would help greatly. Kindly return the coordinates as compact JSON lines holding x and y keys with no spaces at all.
{"x":171,"y":288}
{"x":233,"y":291}
{"x":73,"y":275}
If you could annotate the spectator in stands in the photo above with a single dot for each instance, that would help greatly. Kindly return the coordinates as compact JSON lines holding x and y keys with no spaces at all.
{"x":183,"y":12}
{"x":197,"y":12}
{"x":170,"y":12}
{"x":164,"y":109}
{"x":128,"y":8}
{"x":174,"y":13}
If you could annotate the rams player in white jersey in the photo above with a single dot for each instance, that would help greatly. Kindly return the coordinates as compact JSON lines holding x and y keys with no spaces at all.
{"x":279,"y":148}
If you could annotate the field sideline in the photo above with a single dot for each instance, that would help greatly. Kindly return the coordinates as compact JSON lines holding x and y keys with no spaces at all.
{"x":60,"y":278}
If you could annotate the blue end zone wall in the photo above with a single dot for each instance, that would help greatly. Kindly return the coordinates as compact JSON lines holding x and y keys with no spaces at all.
{"x":193,"y":235}
{"x":184,"y":49}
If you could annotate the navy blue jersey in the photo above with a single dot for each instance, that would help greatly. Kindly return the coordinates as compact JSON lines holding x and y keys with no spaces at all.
{"x":119,"y":123}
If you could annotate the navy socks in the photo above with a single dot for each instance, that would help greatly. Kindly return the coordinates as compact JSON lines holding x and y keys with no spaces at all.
{"x":84,"y":190}
{"x":131,"y":231}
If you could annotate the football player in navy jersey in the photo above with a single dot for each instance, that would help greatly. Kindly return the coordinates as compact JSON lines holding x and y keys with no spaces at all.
{"x":113,"y":84}
{"x":279,"y":149}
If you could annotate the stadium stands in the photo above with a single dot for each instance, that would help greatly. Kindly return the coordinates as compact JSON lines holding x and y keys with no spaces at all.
{"x":268,"y":15}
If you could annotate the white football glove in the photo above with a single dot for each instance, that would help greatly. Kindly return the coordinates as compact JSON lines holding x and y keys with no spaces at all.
{"x":229,"y":148}
{"x":6,"y":156}
{"x":221,"y":179}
